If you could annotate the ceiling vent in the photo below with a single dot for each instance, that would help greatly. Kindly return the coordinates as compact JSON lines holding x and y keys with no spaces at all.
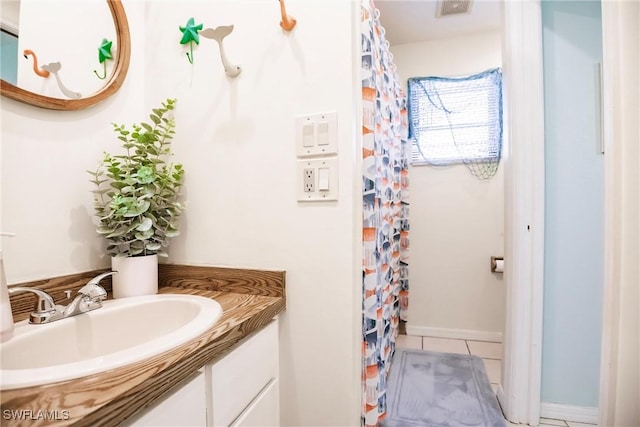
{"x":453,"y":7}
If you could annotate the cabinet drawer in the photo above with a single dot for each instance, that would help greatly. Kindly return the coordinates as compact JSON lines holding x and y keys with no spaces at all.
{"x":184,"y":406}
{"x":238,"y":378}
{"x":264,"y":411}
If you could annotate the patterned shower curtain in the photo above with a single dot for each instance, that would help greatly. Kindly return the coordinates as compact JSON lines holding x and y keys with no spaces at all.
{"x":386,"y":211}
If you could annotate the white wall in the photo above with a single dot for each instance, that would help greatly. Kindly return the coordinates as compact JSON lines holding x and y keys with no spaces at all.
{"x":235,"y":138}
{"x":236,"y":141}
{"x":457,"y":221}
{"x":46,"y":195}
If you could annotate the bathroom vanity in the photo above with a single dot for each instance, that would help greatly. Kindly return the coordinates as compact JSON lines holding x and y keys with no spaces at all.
{"x":241,"y":389}
{"x":226,"y":376}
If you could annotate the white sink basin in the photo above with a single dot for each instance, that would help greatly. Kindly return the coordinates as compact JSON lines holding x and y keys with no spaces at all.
{"x":122,"y":332}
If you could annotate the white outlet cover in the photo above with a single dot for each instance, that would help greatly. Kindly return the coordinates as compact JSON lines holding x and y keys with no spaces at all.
{"x":330,"y":163}
{"x":317,"y":134}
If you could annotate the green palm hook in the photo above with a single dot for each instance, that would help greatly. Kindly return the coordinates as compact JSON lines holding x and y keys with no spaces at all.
{"x":104,"y":53}
{"x":190,"y":35}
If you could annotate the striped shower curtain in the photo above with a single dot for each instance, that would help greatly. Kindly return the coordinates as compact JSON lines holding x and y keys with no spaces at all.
{"x":386,"y":211}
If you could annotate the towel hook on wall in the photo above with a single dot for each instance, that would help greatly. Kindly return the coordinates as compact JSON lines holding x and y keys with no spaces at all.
{"x":218,"y":34}
{"x":190,"y":36}
{"x":104,"y":53}
{"x":288,"y":21}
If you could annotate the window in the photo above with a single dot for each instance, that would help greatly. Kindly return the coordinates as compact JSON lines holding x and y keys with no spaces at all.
{"x":456,"y":120}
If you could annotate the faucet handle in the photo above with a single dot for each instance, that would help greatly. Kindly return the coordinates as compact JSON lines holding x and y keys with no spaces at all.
{"x":44,"y":302}
{"x":93,"y":290}
{"x":96,"y":280}
{"x":44,"y":308}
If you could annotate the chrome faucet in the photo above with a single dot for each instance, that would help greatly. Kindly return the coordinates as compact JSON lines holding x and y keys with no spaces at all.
{"x":89,"y":298}
{"x":44,"y":310}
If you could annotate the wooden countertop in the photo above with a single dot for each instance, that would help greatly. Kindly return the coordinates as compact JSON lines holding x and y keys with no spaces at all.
{"x":110,"y":397}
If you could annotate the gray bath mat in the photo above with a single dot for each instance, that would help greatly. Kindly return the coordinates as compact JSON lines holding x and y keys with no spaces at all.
{"x":432,"y":389}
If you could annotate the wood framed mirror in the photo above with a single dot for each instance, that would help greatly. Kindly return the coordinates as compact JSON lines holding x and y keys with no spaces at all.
{"x":111,"y":86}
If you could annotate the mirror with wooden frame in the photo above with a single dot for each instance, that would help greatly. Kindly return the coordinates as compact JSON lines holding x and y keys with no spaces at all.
{"x":113,"y":81}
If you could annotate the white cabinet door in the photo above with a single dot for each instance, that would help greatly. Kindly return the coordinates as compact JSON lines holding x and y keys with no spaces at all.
{"x":240,"y":390}
{"x":264,"y":411}
{"x":238,"y":379}
{"x":184,"y":407}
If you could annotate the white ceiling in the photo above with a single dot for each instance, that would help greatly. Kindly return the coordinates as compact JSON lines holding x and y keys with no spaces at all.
{"x":408,"y":21}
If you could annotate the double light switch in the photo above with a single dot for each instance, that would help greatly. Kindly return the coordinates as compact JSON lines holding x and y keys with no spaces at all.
{"x":316,"y":134}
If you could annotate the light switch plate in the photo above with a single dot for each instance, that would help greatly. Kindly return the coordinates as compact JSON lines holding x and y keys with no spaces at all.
{"x":317,"y":134}
{"x":310,"y":172}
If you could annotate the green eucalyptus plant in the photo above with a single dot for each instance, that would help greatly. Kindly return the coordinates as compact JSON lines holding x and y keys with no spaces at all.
{"x":136,"y":195}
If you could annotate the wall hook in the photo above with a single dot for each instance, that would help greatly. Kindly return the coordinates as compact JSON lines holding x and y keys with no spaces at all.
{"x":38,"y":71}
{"x":53,"y":68}
{"x":190,"y":35}
{"x":104,"y":72}
{"x":104,"y":53}
{"x":218,"y":34}
{"x":288,"y":21}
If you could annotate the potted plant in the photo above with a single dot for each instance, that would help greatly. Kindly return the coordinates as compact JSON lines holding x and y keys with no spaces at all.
{"x":136,"y":201}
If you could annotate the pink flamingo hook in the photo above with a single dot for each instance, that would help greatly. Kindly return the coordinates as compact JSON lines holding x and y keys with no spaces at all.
{"x":38,"y":71}
{"x":288,"y":22}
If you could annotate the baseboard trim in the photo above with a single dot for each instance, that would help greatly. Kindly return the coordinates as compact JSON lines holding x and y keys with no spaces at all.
{"x":460,"y":334}
{"x":580,"y":414}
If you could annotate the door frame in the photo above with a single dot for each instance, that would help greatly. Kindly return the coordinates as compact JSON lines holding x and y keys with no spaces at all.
{"x":519,"y":391}
{"x":616,"y":18}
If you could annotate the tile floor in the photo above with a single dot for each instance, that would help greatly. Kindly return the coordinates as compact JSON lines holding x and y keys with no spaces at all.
{"x":491,"y":354}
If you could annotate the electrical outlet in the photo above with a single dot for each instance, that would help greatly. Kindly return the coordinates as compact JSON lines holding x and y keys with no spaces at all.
{"x":309,"y":180}
{"x":317,"y":179}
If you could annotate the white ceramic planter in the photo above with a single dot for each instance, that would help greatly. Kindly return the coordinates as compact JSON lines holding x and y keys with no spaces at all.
{"x":136,"y":276}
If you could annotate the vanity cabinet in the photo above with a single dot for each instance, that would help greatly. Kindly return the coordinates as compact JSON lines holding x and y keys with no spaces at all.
{"x":184,"y":406}
{"x":240,"y":390}
{"x":264,"y":410}
{"x":244,"y":384}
